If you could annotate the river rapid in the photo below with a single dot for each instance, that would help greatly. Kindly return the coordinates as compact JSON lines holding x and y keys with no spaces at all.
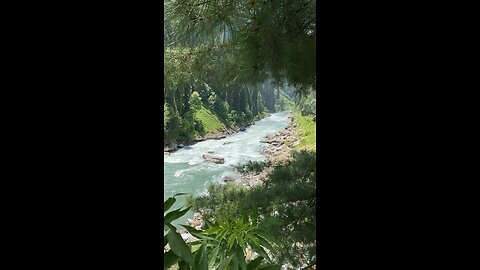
{"x":185,"y":171}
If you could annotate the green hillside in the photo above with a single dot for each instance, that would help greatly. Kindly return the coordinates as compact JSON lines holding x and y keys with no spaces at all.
{"x":209,"y":120}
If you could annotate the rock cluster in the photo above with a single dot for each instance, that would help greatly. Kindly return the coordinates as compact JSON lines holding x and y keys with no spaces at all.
{"x":281,"y":143}
{"x":278,"y":149}
{"x":196,"y":221}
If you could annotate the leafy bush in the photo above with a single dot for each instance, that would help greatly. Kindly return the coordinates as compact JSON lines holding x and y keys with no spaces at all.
{"x":288,"y":194}
{"x":222,"y":245}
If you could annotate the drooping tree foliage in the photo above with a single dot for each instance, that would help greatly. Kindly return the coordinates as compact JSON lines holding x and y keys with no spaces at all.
{"x":235,"y":54}
{"x":270,"y":38}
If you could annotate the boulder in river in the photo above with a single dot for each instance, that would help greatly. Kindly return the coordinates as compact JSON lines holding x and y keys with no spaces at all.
{"x":215,"y":159}
{"x":211,"y":151}
{"x":228,"y":179}
{"x":170,"y":148}
{"x":227,"y":143}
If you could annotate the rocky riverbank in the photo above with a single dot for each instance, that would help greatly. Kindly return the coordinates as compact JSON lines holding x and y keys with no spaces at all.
{"x":278,"y":148}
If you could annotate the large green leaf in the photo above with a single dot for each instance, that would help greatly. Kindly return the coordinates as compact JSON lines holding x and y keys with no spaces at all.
{"x":253,"y":265}
{"x":231,"y":240}
{"x":244,"y":218}
{"x":212,"y":230}
{"x":234,"y":264}
{"x":213,"y":257}
{"x":175,"y":214}
{"x":265,"y":243}
{"x":255,"y":216}
{"x":221,"y":235}
{"x":196,"y":233}
{"x":241,"y":258}
{"x":253,"y":238}
{"x":259,"y":250}
{"x":183,"y":265}
{"x":241,"y":241}
{"x":224,"y":262}
{"x":168,"y":203}
{"x":208,"y":224}
{"x":267,"y":236}
{"x":169,"y":259}
{"x":178,"y":246}
{"x":201,"y":260}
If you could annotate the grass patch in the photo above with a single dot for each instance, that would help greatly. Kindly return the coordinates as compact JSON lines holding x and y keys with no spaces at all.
{"x":210,"y":121}
{"x":307,"y":132}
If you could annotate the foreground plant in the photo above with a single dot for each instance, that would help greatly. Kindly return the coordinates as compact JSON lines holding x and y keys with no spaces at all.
{"x":222,"y":245}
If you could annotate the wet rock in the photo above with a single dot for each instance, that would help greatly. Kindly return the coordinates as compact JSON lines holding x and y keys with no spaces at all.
{"x":194,"y":222}
{"x":225,"y":143}
{"x":211,"y":151}
{"x":276,"y":142}
{"x":214,"y":159}
{"x":170,"y":148}
{"x":166,"y":153}
{"x":228,"y":179}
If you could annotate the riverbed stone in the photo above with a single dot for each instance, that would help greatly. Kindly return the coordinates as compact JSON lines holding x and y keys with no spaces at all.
{"x":213,"y":158}
{"x":228,"y":179}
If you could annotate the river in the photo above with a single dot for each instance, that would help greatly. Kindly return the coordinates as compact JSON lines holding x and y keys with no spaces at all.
{"x":185,"y":171}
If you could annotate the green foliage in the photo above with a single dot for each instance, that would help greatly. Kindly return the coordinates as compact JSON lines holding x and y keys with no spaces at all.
{"x":252,"y":166}
{"x":288,"y":195}
{"x":307,"y":132}
{"x":166,"y":117}
{"x":307,"y":104}
{"x":195,"y":101}
{"x":284,"y":103}
{"x":208,"y":75}
{"x":222,"y":245}
{"x":179,"y":251}
{"x":212,"y":99}
{"x":209,"y":120}
{"x":271,"y":38}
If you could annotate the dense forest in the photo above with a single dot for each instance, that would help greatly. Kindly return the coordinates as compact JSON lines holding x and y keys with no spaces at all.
{"x":227,"y":64}
{"x":199,"y":100}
